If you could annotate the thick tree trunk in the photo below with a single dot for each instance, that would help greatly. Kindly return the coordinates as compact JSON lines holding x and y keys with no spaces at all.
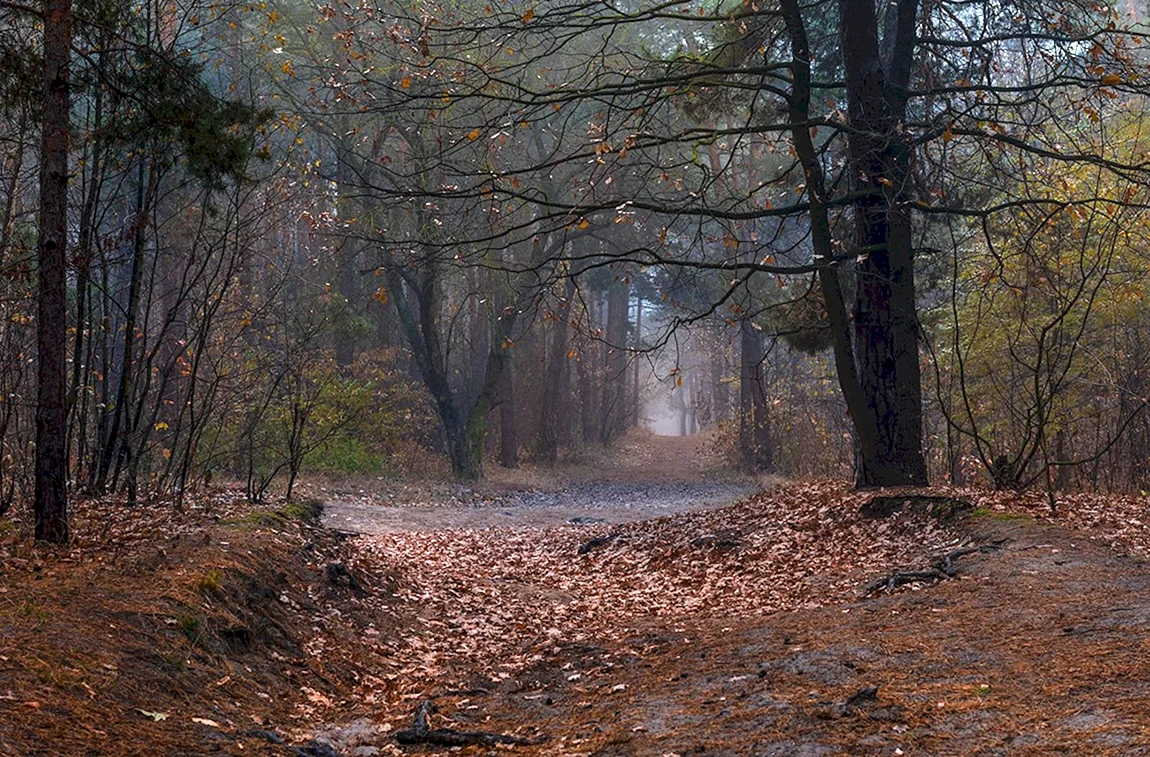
{"x":885,"y":322}
{"x":754,"y":418}
{"x":879,"y":372}
{"x":586,"y":380}
{"x":50,"y":506}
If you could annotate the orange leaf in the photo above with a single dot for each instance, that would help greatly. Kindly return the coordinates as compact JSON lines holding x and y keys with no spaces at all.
{"x":528,"y":16}
{"x":474,"y":135}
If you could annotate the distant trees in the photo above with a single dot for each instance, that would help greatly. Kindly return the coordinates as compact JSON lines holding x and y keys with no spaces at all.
{"x":839,"y":139}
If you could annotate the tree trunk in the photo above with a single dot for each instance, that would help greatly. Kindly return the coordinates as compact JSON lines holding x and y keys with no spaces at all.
{"x":117,"y":446}
{"x":614,"y":412}
{"x":554,"y":381}
{"x":720,"y":390}
{"x":50,"y":506}
{"x":754,"y":420}
{"x":885,"y":322}
{"x":508,"y":436}
{"x":636,"y":420}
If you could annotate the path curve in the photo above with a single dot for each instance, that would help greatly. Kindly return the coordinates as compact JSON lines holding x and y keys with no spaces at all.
{"x":649,"y":477}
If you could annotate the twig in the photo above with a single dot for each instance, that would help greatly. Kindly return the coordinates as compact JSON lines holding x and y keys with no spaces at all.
{"x":421,"y":732}
{"x":943,"y":568}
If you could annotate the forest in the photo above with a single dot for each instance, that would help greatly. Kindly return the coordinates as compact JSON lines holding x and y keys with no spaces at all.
{"x":780,"y":254}
{"x":301,"y":236}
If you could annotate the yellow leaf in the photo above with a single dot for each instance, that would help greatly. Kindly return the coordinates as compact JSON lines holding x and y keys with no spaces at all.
{"x":405,"y":82}
{"x":380,"y":296}
{"x":161,"y":426}
{"x":584,"y":224}
{"x":287,"y":69}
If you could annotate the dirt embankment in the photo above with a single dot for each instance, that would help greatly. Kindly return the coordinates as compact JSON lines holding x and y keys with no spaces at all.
{"x":216,"y":629}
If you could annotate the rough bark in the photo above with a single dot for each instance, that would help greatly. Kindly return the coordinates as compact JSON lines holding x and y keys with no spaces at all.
{"x":878,"y":370}
{"x":50,"y":507}
{"x":885,"y":322}
{"x":754,"y":413}
{"x":613,"y":416}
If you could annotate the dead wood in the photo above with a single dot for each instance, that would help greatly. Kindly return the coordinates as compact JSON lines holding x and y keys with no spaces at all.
{"x":421,"y":732}
{"x":942,"y":568}
{"x":595,"y":543}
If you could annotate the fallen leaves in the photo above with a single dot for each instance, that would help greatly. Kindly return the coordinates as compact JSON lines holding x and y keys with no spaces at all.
{"x":492,"y":600}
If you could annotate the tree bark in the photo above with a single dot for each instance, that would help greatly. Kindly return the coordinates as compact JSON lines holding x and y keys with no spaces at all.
{"x":885,"y":322}
{"x":50,"y":506}
{"x":754,"y":418}
{"x":614,"y":412}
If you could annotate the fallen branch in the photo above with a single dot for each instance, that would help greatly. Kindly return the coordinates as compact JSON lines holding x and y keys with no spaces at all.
{"x":422,"y":733}
{"x":944,"y":567}
{"x":595,"y":543}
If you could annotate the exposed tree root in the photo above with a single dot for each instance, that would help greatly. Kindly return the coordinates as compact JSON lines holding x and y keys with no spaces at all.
{"x":422,"y":733}
{"x":944,"y":567}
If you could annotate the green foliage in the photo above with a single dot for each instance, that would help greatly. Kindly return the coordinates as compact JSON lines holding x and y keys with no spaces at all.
{"x":216,"y":136}
{"x":346,"y":453}
{"x":211,"y":583}
{"x":191,"y":627}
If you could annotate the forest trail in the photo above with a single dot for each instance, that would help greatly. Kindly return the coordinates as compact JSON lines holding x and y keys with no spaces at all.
{"x":745,"y":630}
{"x":646,"y":476}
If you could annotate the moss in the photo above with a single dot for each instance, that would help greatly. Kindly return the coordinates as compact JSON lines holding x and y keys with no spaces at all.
{"x":306,"y":510}
{"x":986,"y":512}
{"x":191,"y":627}
{"x":211,"y":582}
{"x":29,"y":610}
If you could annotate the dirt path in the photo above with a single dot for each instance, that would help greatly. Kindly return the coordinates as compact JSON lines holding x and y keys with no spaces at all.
{"x":646,"y":477}
{"x":1039,"y":649}
{"x":741,"y":629}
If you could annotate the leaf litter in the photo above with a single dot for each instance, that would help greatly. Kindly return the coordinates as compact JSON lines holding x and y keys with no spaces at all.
{"x":493,"y":601}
